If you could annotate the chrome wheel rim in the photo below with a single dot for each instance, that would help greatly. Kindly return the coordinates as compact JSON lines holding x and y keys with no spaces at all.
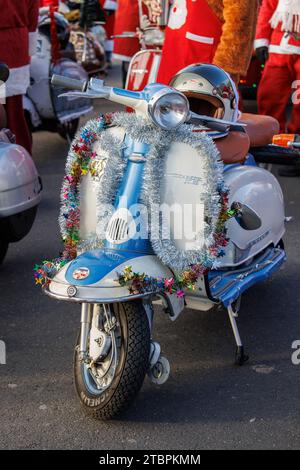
{"x":99,"y":376}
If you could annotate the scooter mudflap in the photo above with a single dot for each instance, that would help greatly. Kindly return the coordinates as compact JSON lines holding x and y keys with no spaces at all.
{"x":227,"y":286}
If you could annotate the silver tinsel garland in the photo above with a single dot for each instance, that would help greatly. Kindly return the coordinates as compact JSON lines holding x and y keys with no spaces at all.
{"x":160,"y":142}
{"x":212,"y":184}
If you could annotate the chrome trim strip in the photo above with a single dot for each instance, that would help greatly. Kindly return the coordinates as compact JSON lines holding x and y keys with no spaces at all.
{"x":128,"y":298}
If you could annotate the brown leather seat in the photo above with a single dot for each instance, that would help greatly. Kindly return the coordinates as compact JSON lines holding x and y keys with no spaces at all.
{"x":260,"y":129}
{"x":259,"y":132}
{"x":234,"y":147}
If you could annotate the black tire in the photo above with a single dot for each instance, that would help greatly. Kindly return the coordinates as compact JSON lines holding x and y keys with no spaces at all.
{"x":131,"y":369}
{"x":3,"y":249}
{"x":68,"y":131}
{"x":17,"y":226}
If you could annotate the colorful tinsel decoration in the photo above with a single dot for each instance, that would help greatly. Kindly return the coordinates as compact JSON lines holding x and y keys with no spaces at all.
{"x":82,"y":159}
{"x":140,"y":283}
{"x":81,"y":163}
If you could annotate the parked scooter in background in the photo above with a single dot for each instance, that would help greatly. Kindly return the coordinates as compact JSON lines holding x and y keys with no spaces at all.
{"x":88,"y":37}
{"x":135,"y":264}
{"x":144,"y":65}
{"x":20,"y":186}
{"x":43,"y":110}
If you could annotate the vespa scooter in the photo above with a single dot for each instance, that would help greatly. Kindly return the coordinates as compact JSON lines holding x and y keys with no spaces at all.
{"x":144,"y":65}
{"x":20,"y":187}
{"x":119,"y":278}
{"x":43,"y":110}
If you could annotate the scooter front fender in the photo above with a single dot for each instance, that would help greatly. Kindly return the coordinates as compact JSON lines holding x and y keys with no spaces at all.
{"x":101,"y":283}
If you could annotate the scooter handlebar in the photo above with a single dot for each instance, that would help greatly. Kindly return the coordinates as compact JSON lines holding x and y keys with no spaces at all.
{"x":69,"y":83}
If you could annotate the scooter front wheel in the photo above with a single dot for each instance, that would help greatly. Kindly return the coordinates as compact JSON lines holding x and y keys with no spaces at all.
{"x":107,"y":384}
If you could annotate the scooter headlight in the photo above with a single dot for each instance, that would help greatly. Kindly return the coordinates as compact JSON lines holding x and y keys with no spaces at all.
{"x":168,"y":109}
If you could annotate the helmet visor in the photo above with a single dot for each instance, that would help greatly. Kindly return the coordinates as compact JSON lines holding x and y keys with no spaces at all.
{"x":207,"y":105}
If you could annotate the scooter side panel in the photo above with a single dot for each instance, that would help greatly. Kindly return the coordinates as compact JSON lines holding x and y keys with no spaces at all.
{"x":20,"y":188}
{"x":89,"y":187}
{"x":260,"y":191}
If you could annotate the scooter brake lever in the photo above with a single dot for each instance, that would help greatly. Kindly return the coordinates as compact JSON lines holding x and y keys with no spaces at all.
{"x":80,"y":94}
{"x":96,"y":89}
{"x":216,"y":124}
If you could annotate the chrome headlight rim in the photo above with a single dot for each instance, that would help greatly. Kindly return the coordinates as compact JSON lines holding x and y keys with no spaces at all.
{"x":154,"y":100}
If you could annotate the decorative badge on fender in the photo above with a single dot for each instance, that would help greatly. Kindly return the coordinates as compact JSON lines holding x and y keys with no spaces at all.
{"x":71,"y":291}
{"x":81,"y":273}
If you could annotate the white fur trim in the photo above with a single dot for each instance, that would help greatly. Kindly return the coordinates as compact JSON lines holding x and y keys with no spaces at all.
{"x":285,"y":47}
{"x":123,"y":58}
{"x":287,"y":13}
{"x":18,"y":82}
{"x":178,"y":14}
{"x":289,"y":50}
{"x":32,"y":43}
{"x":261,"y":43}
{"x":197,"y":38}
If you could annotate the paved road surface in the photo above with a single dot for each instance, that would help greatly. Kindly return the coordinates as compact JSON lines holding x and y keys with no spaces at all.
{"x":207,"y":402}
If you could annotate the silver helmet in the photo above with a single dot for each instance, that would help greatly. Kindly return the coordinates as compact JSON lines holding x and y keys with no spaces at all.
{"x":210,"y":91}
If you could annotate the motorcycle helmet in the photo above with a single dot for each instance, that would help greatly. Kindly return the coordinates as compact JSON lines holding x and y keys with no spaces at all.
{"x":62,"y":26}
{"x":210,"y":91}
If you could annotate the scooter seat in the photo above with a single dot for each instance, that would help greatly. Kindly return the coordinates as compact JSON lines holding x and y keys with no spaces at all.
{"x":234,"y":147}
{"x":260,"y":130}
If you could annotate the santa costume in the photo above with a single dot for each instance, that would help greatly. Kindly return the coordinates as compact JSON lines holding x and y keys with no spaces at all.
{"x":213,"y":31}
{"x":127,"y":20}
{"x":109,"y":7}
{"x":279,"y":29}
{"x":18,"y":25}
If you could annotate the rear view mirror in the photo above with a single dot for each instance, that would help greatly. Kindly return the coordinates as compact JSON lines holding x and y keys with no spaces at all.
{"x":4,"y":73}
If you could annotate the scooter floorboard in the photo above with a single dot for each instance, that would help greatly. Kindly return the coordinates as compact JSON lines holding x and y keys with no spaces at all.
{"x":226,"y":287}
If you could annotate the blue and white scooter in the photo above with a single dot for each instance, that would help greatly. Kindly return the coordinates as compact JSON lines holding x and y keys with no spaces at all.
{"x":115,"y":349}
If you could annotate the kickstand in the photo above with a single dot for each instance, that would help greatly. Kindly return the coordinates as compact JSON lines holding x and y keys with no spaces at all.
{"x":240,"y":356}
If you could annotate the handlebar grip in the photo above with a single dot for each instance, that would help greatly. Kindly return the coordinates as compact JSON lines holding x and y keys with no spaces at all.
{"x":69,"y":83}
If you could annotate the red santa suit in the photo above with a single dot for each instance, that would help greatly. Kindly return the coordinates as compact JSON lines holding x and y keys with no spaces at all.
{"x":213,"y":31}
{"x":279,"y":29}
{"x":193,"y":38}
{"x":127,"y":20}
{"x":109,"y":6}
{"x":18,"y":25}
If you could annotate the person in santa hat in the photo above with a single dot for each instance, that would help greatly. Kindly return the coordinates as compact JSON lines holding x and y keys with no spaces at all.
{"x":109,"y":7}
{"x":220,"y":32}
{"x":18,"y":25}
{"x":278,"y":44}
{"x":127,"y":20}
